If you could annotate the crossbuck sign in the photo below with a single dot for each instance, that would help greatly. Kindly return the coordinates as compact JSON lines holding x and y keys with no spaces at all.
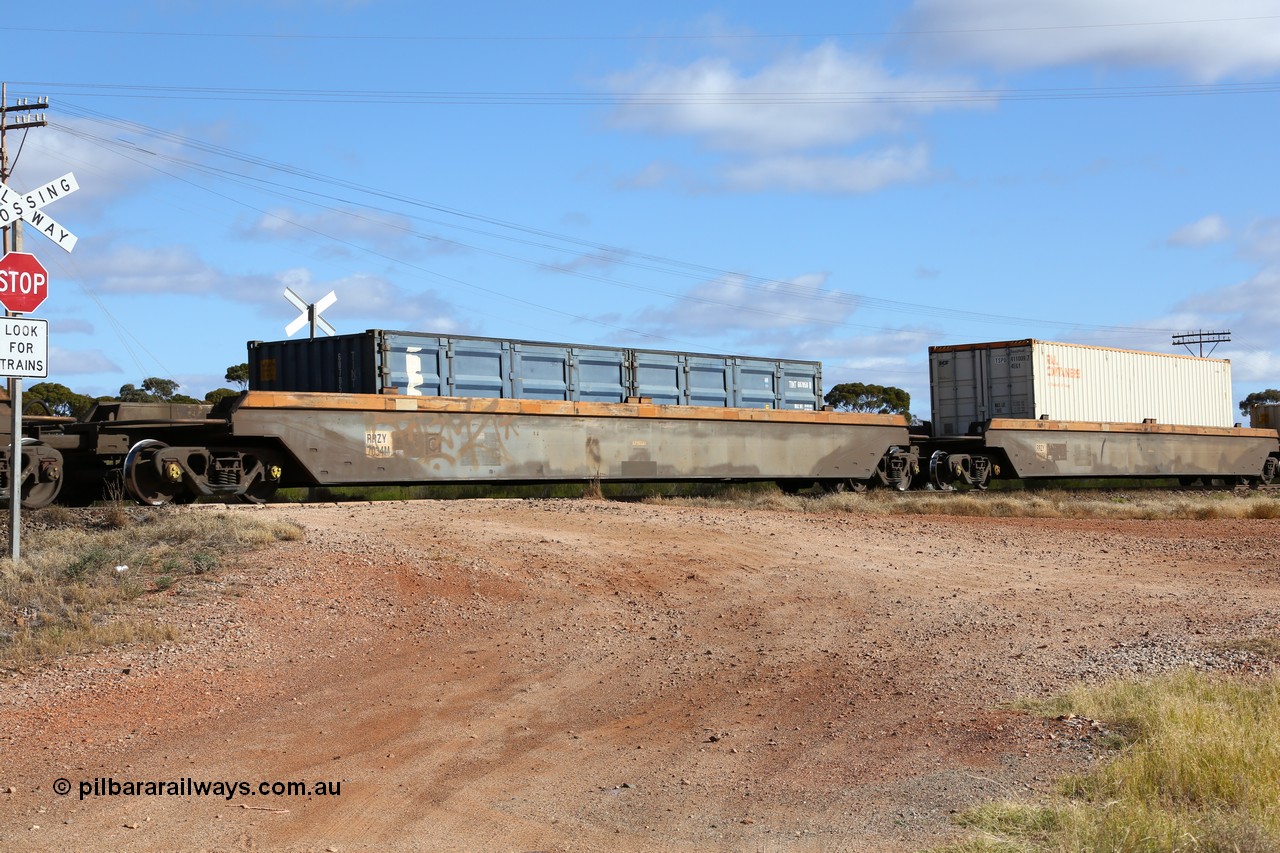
{"x":310,"y":314}
{"x":29,"y":207}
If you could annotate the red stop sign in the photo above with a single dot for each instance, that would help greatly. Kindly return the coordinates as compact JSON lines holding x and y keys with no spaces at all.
{"x":24,"y":283}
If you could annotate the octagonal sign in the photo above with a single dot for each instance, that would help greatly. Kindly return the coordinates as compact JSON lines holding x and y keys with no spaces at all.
{"x":24,"y":283}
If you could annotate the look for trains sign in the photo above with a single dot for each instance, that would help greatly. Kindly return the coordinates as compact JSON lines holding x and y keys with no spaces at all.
{"x":24,"y":283}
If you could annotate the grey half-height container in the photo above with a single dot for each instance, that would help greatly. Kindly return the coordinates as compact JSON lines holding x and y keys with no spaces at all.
{"x":415,"y":363}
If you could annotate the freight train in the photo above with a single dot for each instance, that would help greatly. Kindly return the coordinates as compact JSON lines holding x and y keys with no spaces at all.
{"x":412,"y":409}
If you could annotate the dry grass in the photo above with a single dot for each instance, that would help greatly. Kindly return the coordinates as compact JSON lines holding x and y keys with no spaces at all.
{"x":1199,"y":771}
{"x":82,"y":578}
{"x":1152,"y":504}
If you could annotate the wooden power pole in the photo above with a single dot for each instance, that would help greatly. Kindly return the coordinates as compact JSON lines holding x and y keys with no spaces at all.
{"x":26,"y":115}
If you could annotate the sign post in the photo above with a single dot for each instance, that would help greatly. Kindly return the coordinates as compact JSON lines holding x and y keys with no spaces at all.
{"x":24,"y":352}
{"x":25,"y":281}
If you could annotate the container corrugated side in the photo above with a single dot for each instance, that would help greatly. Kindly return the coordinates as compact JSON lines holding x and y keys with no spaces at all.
{"x":415,"y":363}
{"x":1080,"y":383}
{"x":340,"y":364}
{"x":1071,"y":382}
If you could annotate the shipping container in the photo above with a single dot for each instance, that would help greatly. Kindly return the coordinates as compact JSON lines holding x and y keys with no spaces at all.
{"x":1265,"y":416}
{"x":420,"y":364}
{"x":973,"y":383}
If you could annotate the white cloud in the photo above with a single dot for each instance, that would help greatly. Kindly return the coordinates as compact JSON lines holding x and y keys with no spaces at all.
{"x":1261,"y":241}
{"x":734,"y":303}
{"x":652,"y":175}
{"x":1202,"y":232}
{"x":850,"y":98}
{"x":172,"y":269}
{"x":591,"y":262}
{"x":1250,"y":310}
{"x":342,"y":232}
{"x":1205,"y":42}
{"x":64,"y":326}
{"x":104,"y":173}
{"x":788,"y":125}
{"x":178,"y":271}
{"x":69,"y":362}
{"x":1258,"y":367}
{"x":837,"y":175}
{"x":371,"y":299}
{"x":1252,"y":304}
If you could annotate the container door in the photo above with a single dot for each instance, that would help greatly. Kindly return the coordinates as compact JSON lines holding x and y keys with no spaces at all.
{"x":541,"y":372}
{"x":757,"y":384}
{"x":709,"y":381}
{"x":1008,"y":382}
{"x":599,"y":375}
{"x":414,"y":364}
{"x":660,"y":376}
{"x":800,"y":385}
{"x":479,"y":368}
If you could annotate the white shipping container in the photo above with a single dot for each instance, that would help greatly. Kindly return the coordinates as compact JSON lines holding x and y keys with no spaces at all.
{"x":1071,"y":382}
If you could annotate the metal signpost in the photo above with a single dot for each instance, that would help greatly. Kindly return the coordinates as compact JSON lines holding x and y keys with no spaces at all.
{"x":24,"y":284}
{"x":24,"y":352}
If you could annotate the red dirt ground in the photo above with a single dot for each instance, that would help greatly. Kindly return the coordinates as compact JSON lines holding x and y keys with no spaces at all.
{"x":592,"y":676}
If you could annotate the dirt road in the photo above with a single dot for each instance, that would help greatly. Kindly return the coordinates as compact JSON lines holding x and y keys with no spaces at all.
{"x":591,"y":676}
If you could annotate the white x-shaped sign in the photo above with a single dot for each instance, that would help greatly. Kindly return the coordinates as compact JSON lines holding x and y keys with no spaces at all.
{"x":310,"y":313}
{"x":29,"y":206}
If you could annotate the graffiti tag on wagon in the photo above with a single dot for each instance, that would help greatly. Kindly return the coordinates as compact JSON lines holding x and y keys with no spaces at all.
{"x":453,"y":442}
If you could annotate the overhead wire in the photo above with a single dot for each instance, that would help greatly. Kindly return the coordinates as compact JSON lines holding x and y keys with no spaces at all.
{"x":620,"y":256}
{"x":651,"y":37}
{"x":742,"y":97}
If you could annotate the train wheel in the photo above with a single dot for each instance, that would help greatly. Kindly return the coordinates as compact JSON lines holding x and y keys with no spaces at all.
{"x":837,"y":486}
{"x":940,"y":474}
{"x":145,"y":482}
{"x":793,"y":487}
{"x":41,"y":474}
{"x":260,"y":491}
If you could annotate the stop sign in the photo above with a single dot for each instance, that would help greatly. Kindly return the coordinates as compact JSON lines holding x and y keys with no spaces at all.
{"x":24,"y":283}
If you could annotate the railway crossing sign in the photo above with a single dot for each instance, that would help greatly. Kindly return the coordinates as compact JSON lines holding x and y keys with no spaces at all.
{"x":310,"y":313}
{"x":24,"y":283}
{"x":29,"y":207}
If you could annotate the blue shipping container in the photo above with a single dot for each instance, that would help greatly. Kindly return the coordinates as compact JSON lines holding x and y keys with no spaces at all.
{"x":414,"y":363}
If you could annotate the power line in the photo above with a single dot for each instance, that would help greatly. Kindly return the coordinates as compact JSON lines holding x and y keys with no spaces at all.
{"x":330,"y":97}
{"x":559,"y":242}
{"x":354,"y":37}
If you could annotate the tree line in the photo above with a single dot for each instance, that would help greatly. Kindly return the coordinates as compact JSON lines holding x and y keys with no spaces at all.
{"x":61,"y":400}
{"x":845,"y":397}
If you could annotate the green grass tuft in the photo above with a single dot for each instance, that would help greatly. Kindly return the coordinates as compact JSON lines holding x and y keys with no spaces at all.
{"x":1197,"y":769}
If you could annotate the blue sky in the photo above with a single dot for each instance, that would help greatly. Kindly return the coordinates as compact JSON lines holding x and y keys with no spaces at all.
{"x":847,"y":182}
